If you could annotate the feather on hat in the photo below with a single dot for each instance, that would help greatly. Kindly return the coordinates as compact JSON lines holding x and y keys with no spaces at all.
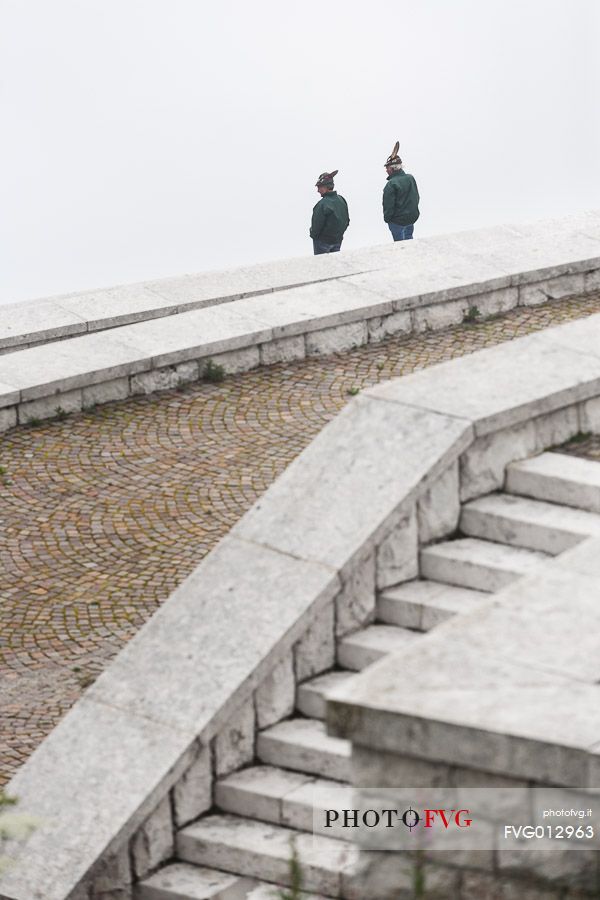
{"x":325,"y":179}
{"x":393,"y":159}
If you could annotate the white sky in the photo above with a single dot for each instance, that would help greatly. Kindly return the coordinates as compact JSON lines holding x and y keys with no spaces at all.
{"x":146,"y":138}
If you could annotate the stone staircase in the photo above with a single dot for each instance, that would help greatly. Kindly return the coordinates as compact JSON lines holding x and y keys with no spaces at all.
{"x":243,"y":849}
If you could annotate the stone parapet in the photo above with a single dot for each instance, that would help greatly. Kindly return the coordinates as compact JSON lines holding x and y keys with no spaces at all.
{"x":401,"y":289}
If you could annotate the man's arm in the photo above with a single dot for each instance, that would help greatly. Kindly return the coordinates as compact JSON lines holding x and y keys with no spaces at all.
{"x":416,"y":189}
{"x":318,"y":221}
{"x":347,"y":212}
{"x":389,"y":202}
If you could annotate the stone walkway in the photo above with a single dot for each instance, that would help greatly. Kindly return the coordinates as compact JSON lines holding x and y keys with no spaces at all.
{"x":102,"y":514}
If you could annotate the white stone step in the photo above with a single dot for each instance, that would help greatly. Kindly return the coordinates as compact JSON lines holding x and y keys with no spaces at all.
{"x":557,"y":478}
{"x":481,"y":565}
{"x":364,"y":647}
{"x":304,"y":745}
{"x":260,"y":850}
{"x":284,"y":798}
{"x":310,"y":695}
{"x":422,"y":605}
{"x":182,"y":881}
{"x":266,"y":891}
{"x":523,"y":522}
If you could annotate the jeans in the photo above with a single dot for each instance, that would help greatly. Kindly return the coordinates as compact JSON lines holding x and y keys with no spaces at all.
{"x":401,"y":232}
{"x":322,"y":247}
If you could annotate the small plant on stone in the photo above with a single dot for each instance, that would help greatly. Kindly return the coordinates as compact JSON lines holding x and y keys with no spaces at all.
{"x":353,"y":391}
{"x":60,"y":413}
{"x":213,"y":372}
{"x":472,"y":315}
{"x":85,"y":679}
{"x":580,"y":437}
{"x":296,"y":877}
{"x":33,"y":421}
{"x":419,"y":875}
{"x":13,"y":826}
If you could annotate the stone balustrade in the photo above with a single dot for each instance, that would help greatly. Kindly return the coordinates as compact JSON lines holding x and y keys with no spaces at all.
{"x":407,"y":288}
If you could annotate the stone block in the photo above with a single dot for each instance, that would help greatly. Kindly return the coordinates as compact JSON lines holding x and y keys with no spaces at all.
{"x":335,"y":513}
{"x":557,"y":478}
{"x":322,"y":307}
{"x":23,"y":323}
{"x":379,"y":768}
{"x":564,"y":862}
{"x":235,"y":360}
{"x":379,"y":876}
{"x":201,"y":333}
{"x":117,"y":894}
{"x":508,"y":384}
{"x":83,"y":798}
{"x":556,"y":427}
{"x":50,"y":407}
{"x":283,"y":350}
{"x":117,"y":306}
{"x":192,"y":666}
{"x":381,"y":327}
{"x":355,"y":604}
{"x":66,"y":365}
{"x":439,"y":315}
{"x":164,"y":379}
{"x":8,"y":395}
{"x":482,"y":466}
{"x":234,"y":745}
{"x":494,"y":302}
{"x":8,"y":418}
{"x":592,"y":281}
{"x":438,"y":510}
{"x":397,"y":554}
{"x":315,"y":651}
{"x":552,"y":289}
{"x":336,"y":340}
{"x":488,"y":886}
{"x":275,"y":696}
{"x":112,"y":873}
{"x":540,"y":257}
{"x":589,"y":415}
{"x":117,"y":389}
{"x":153,"y":842}
{"x":192,"y":794}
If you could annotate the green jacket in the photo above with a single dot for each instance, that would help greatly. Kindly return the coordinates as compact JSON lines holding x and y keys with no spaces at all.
{"x":401,"y":199}
{"x":330,"y":218}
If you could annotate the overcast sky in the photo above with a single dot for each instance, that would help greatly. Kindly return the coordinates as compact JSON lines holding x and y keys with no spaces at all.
{"x":145,"y":138}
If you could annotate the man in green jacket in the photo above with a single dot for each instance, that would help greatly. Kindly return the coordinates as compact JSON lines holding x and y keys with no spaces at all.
{"x":400,"y":198}
{"x":330,"y":216}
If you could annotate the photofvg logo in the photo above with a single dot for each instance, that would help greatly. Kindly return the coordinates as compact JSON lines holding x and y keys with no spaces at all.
{"x":393,"y":818}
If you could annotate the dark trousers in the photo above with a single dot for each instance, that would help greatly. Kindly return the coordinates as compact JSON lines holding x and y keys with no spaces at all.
{"x":322,"y":247}
{"x":401,"y":232}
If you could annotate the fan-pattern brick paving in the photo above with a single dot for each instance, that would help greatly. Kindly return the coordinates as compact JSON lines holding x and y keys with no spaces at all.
{"x":103,"y":513}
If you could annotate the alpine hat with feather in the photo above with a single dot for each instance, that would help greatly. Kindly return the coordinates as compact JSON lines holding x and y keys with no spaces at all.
{"x":325,"y":179}
{"x":393,"y":159}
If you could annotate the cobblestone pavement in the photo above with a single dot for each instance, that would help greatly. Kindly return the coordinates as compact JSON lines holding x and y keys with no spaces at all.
{"x":103,"y":513}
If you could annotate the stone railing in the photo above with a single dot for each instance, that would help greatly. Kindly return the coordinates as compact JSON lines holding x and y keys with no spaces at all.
{"x":431,"y":284}
{"x":180,"y":705}
{"x":58,"y":318}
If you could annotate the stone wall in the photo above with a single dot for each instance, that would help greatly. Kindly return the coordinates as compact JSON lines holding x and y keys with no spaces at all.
{"x":427,"y":285}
